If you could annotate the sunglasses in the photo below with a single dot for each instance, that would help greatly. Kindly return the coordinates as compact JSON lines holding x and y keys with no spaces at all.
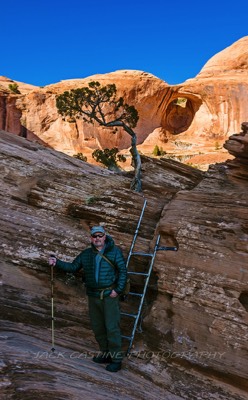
{"x":99,"y":235}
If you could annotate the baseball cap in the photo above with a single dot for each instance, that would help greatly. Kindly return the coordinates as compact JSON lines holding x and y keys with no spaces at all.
{"x":96,"y":229}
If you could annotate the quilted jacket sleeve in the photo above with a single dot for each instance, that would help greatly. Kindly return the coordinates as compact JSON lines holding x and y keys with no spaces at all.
{"x":74,"y":266}
{"x":122,"y":271}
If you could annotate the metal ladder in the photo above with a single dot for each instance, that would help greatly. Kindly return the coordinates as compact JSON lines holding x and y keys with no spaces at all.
{"x":146,"y":275}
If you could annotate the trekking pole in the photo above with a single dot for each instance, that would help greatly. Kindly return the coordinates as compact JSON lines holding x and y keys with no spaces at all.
{"x":52,"y":305}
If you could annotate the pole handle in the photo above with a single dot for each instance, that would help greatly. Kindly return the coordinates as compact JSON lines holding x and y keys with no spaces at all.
{"x":52,"y":305}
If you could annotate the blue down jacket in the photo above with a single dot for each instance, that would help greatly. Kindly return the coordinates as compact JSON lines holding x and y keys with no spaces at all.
{"x":108,"y":276}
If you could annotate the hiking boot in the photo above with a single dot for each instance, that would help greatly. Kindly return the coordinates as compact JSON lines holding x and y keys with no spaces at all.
{"x":102,"y":359}
{"x":114,"y":366}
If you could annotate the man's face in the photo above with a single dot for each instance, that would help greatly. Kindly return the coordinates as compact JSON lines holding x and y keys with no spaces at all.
{"x":98,"y":239}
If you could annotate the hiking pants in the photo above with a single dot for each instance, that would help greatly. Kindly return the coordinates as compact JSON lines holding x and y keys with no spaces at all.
{"x":105,"y":323}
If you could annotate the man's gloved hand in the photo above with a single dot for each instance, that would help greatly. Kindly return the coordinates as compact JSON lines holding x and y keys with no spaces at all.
{"x":52,"y":260}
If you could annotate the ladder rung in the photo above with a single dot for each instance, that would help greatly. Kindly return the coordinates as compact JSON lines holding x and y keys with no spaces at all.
{"x":129,"y":315}
{"x":126,"y":337}
{"x":135,"y":294}
{"x":138,"y":273}
{"x":173,"y":248}
{"x":140,"y":253}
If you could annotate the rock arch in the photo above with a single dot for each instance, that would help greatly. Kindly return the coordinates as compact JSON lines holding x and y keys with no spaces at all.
{"x":180,"y":113}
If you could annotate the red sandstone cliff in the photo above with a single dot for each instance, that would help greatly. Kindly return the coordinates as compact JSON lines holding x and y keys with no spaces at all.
{"x":190,"y":121}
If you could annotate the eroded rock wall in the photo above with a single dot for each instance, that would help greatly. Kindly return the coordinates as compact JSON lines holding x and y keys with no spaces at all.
{"x":9,"y":114}
{"x":195,"y":314}
{"x":205,"y":284}
{"x":11,"y":119}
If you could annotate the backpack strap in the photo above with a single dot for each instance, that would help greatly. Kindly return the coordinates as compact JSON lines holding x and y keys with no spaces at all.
{"x":106,"y":259}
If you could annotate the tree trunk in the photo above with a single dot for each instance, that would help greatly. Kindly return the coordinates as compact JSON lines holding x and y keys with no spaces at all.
{"x":136,"y":160}
{"x":136,"y":163}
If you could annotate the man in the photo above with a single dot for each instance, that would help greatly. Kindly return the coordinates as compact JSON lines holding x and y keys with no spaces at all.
{"x":105,"y":278}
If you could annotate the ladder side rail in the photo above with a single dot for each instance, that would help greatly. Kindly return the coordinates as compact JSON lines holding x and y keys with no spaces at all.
{"x":143,"y":297}
{"x":136,"y":234}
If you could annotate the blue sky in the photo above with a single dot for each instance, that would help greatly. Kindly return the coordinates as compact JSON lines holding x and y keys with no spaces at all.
{"x":43,"y":42}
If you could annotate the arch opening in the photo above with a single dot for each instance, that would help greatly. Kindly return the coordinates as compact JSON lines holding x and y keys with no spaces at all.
{"x":179,"y":115}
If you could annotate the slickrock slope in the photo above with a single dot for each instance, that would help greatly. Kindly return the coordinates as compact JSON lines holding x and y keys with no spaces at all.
{"x":232,"y":59}
{"x":193,"y":342}
{"x":189,"y":121}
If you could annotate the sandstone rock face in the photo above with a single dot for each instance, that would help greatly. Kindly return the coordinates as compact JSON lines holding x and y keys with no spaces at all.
{"x":194,"y":331}
{"x":190,"y":121}
{"x":216,"y":98}
{"x":237,"y":145}
{"x":40,"y":113}
{"x":233,"y":59}
{"x":11,"y":116}
{"x":23,"y":88}
{"x":210,"y":277}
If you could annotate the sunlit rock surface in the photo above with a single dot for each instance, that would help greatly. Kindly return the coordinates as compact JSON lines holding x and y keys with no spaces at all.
{"x":189,"y":121}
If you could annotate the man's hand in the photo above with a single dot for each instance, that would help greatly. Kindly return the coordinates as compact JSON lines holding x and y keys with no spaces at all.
{"x":52,"y":261}
{"x":113,"y":294}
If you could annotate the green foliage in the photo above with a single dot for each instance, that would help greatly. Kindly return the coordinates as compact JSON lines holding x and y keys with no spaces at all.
{"x":90,"y":103}
{"x":14,"y":88}
{"x":91,"y":200}
{"x":180,"y":101}
{"x":108,"y":157}
{"x":217,"y":146}
{"x":158,"y":151}
{"x":80,"y":156}
{"x":96,"y":103}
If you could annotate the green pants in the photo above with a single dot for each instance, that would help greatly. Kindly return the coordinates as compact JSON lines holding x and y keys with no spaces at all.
{"x":105,"y":322}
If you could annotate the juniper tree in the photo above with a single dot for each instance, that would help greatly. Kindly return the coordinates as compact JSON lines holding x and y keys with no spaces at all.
{"x":109,"y":158}
{"x":100,"y":103}
{"x":14,"y":88}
